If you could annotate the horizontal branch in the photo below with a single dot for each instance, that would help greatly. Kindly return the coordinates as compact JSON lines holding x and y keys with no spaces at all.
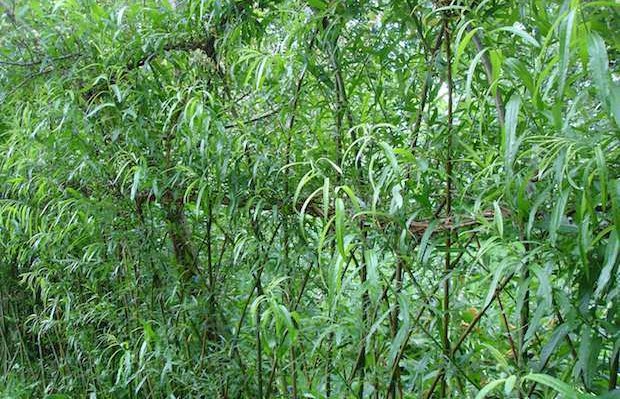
{"x":418,"y":227}
{"x":33,"y":63}
{"x":255,"y":119}
{"x":206,"y":44}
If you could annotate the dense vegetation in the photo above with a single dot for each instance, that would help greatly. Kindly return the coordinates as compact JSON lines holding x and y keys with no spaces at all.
{"x":319,"y":199}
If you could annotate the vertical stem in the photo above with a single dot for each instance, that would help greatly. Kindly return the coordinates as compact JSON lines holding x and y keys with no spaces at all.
{"x":524,"y":316}
{"x":286,"y":259}
{"x":360,"y":363}
{"x":342,"y":104}
{"x":339,"y":105}
{"x":3,"y":332}
{"x":376,"y":371}
{"x":259,"y":348}
{"x":365,"y":304}
{"x":328,"y":371}
{"x":613,"y":370}
{"x":209,"y":248}
{"x":445,"y":339}
{"x":211,"y":319}
{"x":294,"y":371}
{"x":289,"y":129}
{"x":341,"y":108}
{"x":425,"y":88}
{"x":395,"y":379}
{"x":41,"y":359}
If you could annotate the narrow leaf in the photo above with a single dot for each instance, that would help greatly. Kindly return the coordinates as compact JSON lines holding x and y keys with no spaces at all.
{"x":489,"y":387}
{"x":340,"y":226}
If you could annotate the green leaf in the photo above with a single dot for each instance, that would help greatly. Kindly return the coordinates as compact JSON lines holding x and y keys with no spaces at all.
{"x":510,"y":384}
{"x":521,"y":33}
{"x":304,"y":206}
{"x":521,"y":73}
{"x":423,"y":248}
{"x":497,"y":275}
{"x":588,"y":350}
{"x":557,"y":215}
{"x":340,"y":226}
{"x":614,"y":102}
{"x":510,"y":129}
{"x":542,"y":197}
{"x":557,"y":385}
{"x":99,"y":108}
{"x":545,"y":291}
{"x":611,"y":257}
{"x":489,"y":387}
{"x":566,"y":30}
{"x":614,"y":193}
{"x":370,"y":257}
{"x":325,"y":197}
{"x":462,"y":45}
{"x":302,"y":182}
{"x":389,"y":153}
{"x":318,"y":4}
{"x":136,"y":182}
{"x":599,"y":65}
{"x":603,"y":174}
{"x":470,"y":72}
{"x":403,"y":331}
{"x":558,"y":335}
{"x":397,"y":199}
{"x":117,"y":93}
{"x":354,"y":199}
{"x":499,"y":219}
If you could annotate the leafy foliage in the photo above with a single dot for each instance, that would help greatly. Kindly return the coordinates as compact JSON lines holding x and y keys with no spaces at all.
{"x":326,"y":198}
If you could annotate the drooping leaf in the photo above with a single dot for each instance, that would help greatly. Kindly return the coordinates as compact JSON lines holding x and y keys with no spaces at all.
{"x":599,"y":65}
{"x":489,"y":387}
{"x":521,"y":33}
{"x":557,"y":215}
{"x":510,"y":143}
{"x":610,"y":264}
{"x":557,"y":385}
{"x":340,"y":226}
{"x":566,"y":31}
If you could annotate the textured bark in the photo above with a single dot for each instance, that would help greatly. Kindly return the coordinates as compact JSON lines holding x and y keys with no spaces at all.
{"x":181,"y":236}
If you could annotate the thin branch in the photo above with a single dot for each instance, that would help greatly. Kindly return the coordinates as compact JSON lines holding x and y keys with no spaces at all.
{"x":513,"y":348}
{"x":448,"y":264}
{"x":255,"y":119}
{"x":425,"y":87}
{"x":468,"y":331}
{"x":27,"y":64}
